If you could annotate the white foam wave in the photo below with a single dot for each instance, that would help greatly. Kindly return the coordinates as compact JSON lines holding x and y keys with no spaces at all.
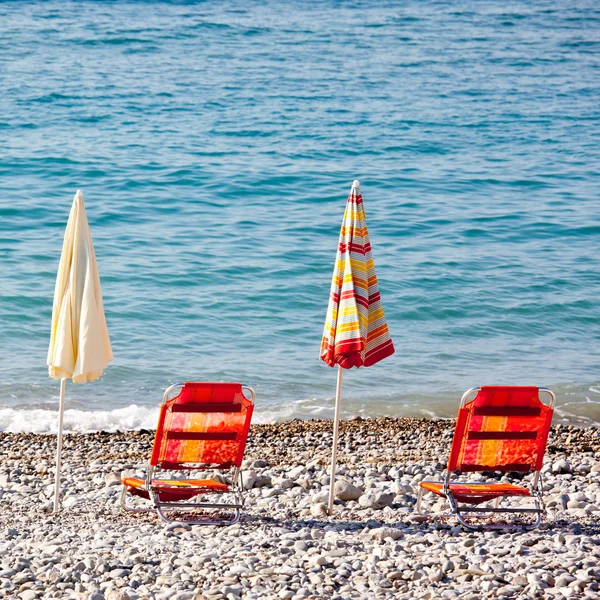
{"x":132,"y":417}
{"x":42,"y":420}
{"x":309,"y":408}
{"x":39,"y":420}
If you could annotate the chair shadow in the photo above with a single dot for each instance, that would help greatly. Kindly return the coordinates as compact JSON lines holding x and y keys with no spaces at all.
{"x":547,"y":528}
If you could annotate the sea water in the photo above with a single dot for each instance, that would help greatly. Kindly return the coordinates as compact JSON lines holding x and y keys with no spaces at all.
{"x":216,"y":143}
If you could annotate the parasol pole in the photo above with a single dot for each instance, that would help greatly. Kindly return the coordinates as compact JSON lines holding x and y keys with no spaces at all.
{"x":336,"y":431}
{"x":61,"y":412}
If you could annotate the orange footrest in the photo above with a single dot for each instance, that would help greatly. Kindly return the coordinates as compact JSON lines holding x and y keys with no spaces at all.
{"x":476,"y":493}
{"x":173,"y":490}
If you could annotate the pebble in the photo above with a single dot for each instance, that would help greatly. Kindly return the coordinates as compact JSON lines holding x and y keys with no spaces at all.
{"x":376,"y":499}
{"x":561,"y":466}
{"x":344,"y":490}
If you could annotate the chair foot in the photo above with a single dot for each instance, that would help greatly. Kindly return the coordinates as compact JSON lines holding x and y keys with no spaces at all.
{"x":126,"y":507}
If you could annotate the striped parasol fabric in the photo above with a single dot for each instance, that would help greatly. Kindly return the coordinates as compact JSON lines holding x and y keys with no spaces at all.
{"x":356,"y":333}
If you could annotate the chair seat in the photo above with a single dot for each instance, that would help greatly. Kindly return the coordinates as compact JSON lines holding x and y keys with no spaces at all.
{"x":476,"y":493}
{"x":173,"y":490}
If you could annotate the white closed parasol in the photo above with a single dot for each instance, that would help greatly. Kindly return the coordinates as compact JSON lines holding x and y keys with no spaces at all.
{"x":79,"y":344}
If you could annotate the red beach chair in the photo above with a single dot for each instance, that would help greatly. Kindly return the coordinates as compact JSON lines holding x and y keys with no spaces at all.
{"x":502,"y":428}
{"x":204,"y":426}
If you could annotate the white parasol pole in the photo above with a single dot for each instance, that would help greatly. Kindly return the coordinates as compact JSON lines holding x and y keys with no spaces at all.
{"x":61,"y":412}
{"x":336,"y":431}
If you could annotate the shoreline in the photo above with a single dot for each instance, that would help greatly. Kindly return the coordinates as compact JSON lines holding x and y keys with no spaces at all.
{"x":564,"y":433}
{"x":564,"y":423}
{"x":85,"y":418}
{"x":285,"y":547}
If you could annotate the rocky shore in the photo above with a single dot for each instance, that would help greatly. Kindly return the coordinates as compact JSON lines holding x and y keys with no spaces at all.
{"x":286,"y":547}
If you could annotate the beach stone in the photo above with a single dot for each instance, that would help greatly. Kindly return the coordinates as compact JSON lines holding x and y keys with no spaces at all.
{"x":296,"y":472}
{"x":239,"y":570}
{"x":230,"y":590}
{"x":317,"y":561}
{"x":578,"y":496}
{"x":561,"y":466}
{"x":72,"y":501}
{"x":318,"y":510}
{"x":112,"y":479}
{"x":321,"y":496}
{"x":344,"y":490}
{"x":300,"y":546}
{"x":248,"y":478}
{"x":115,"y":573}
{"x":448,"y":566}
{"x":262,"y":481}
{"x":383,"y":533}
{"x":436,"y":576}
{"x":376,"y":499}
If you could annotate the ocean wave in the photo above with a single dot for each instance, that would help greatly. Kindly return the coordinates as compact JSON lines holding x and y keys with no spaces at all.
{"x":132,"y":417}
{"x":41,"y":420}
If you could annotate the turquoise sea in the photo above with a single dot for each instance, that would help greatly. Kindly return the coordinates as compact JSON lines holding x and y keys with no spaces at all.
{"x":216,"y":143}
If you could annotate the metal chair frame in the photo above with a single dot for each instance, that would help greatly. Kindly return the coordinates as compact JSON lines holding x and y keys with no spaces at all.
{"x":459,"y":512}
{"x":162,"y":508}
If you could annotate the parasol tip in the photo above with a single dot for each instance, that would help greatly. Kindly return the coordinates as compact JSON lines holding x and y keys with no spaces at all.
{"x":356,"y":184}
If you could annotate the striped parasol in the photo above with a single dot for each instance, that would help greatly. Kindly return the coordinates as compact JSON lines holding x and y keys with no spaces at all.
{"x":356,"y":333}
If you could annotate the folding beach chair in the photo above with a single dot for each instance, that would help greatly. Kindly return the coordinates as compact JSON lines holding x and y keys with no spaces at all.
{"x":203,"y":427}
{"x":503,"y":428}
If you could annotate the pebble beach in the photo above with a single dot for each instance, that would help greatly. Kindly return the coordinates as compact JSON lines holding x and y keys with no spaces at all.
{"x":286,"y":546}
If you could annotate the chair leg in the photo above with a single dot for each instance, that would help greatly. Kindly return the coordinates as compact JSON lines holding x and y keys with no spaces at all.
{"x":162,"y":511}
{"x":456,"y":512}
{"x":124,"y":505}
{"x":433,"y":515}
{"x":419,"y":501}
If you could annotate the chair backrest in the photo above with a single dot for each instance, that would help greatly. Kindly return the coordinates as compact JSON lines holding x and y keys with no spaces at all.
{"x":205,"y":424}
{"x":504,"y":428}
